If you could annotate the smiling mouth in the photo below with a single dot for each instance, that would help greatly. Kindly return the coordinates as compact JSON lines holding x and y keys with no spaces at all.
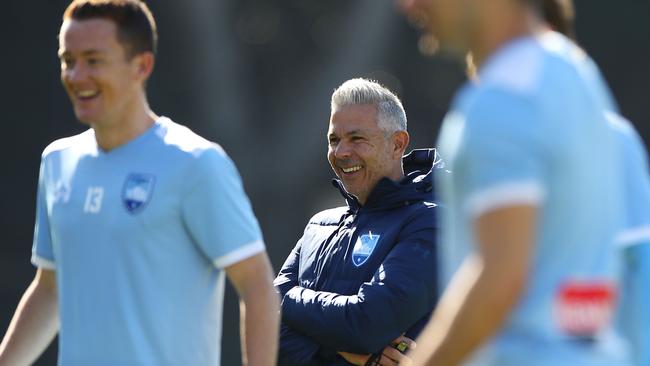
{"x":86,"y":94}
{"x":351,"y":170}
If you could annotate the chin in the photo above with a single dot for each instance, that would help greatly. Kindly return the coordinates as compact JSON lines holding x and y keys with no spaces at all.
{"x":85,"y":121}
{"x":84,"y":117}
{"x":353,"y":192}
{"x":348,"y":188}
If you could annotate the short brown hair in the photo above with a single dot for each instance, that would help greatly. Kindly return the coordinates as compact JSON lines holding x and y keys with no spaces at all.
{"x":136,"y":27}
{"x":560,"y":15}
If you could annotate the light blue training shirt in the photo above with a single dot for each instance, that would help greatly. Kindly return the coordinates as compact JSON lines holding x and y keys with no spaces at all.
{"x":533,"y":131}
{"x":139,"y":237}
{"x":633,"y":315}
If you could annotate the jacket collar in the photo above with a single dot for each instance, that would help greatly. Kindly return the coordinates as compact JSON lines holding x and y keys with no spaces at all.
{"x":417,"y":184}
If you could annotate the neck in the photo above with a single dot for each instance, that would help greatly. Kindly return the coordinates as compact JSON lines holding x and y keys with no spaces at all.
{"x":500,"y":25}
{"x":395,"y":177}
{"x":135,"y":120}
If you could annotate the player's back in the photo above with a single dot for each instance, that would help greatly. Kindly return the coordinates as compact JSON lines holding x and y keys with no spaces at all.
{"x":633,"y":319}
{"x":534,"y":132}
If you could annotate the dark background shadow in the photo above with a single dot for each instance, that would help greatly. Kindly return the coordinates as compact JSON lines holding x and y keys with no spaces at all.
{"x":256,"y":77}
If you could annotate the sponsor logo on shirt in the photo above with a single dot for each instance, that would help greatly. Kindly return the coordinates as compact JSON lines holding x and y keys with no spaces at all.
{"x":363,"y":248}
{"x":137,"y":191}
{"x":583,"y":309}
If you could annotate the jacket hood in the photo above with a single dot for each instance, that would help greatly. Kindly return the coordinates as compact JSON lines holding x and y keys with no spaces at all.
{"x":416,"y":186}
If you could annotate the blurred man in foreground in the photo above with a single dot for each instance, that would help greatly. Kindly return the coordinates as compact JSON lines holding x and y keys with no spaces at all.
{"x":530,"y":222}
{"x":138,"y":220}
{"x":363,"y":274}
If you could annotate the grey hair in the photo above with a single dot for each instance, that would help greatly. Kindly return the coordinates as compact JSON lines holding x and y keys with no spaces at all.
{"x":391,"y":116}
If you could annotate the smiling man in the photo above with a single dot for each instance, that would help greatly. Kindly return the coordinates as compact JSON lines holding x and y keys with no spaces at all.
{"x":363,"y":274}
{"x":139,"y":220}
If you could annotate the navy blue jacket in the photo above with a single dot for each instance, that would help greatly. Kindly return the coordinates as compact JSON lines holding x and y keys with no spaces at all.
{"x":360,"y":276}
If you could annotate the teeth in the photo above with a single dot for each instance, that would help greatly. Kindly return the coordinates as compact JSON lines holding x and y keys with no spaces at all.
{"x":350,"y":170}
{"x":87,"y":93}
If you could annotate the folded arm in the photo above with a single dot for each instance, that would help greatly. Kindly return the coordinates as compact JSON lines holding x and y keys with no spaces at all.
{"x":295,"y":348}
{"x":403,"y":291}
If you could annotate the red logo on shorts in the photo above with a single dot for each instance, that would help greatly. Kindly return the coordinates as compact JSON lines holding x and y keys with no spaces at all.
{"x":584,"y":308}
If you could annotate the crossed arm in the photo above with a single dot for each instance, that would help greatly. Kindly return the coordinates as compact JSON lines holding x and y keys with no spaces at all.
{"x":317,"y":321}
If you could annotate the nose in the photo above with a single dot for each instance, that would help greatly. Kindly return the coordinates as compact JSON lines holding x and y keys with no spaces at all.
{"x":74,"y":73}
{"x":342,"y":150}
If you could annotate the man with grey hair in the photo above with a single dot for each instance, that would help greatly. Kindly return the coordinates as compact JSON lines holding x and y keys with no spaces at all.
{"x":391,"y":114}
{"x":361,"y":282}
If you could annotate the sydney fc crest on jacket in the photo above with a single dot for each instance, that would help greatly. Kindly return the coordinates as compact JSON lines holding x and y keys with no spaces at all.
{"x":363,"y":248}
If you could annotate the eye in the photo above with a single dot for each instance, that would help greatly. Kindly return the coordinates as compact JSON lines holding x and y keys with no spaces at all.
{"x":93,"y":61}
{"x":357,"y":139}
{"x":333,"y":141}
{"x":67,"y":63}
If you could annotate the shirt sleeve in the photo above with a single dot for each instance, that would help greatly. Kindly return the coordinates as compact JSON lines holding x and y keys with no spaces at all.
{"x":636,"y":179}
{"x":501,"y":163}
{"x":633,"y":319}
{"x":42,"y":252}
{"x":217,"y":212}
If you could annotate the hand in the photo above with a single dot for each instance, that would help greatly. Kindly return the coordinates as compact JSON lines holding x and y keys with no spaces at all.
{"x":390,"y":356}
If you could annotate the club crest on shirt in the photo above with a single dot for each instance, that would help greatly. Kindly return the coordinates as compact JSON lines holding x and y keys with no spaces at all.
{"x":363,"y":248}
{"x":137,"y":191}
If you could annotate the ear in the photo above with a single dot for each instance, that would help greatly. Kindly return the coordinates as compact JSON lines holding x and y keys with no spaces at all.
{"x":400,"y":143}
{"x":143,"y":64}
